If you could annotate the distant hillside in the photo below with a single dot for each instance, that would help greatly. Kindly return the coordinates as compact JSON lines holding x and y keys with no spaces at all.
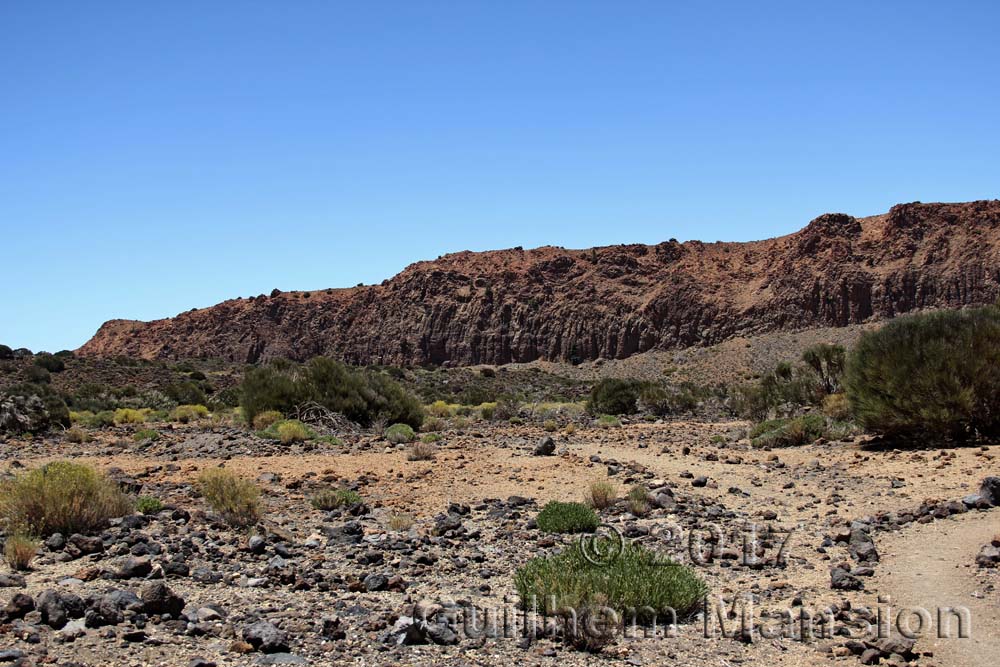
{"x":569,"y":305}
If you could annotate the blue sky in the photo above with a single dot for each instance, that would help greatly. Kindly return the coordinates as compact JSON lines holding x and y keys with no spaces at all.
{"x":159,"y":156}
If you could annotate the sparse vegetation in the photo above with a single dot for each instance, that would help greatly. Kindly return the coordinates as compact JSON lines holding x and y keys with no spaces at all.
{"x":77,"y":436}
{"x":128,"y":416}
{"x":421,"y":451}
{"x":560,"y":517}
{"x":607,"y":421}
{"x":613,"y":396}
{"x":235,"y":499}
{"x":265,"y":419}
{"x":789,"y":432}
{"x":331,"y":499}
{"x":146,"y":435}
{"x":292,"y":431}
{"x":60,"y":497}
{"x":600,"y":494}
{"x":19,"y":550}
{"x":189,"y":413}
{"x":638,"y":500}
{"x":399,"y":521}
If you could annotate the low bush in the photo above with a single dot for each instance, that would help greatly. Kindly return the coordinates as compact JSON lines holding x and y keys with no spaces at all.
{"x":607,"y":421}
{"x":789,"y":432}
{"x":399,"y":433}
{"x":636,"y":583}
{"x":399,"y":521}
{"x":189,"y":413}
{"x":550,"y":426}
{"x":929,"y":376}
{"x":421,"y":451}
{"x":560,"y":517}
{"x":432,"y":424}
{"x":148,"y":505}
{"x":293,"y":431}
{"x":60,"y":497}
{"x":613,"y":396}
{"x":31,"y":408}
{"x":19,"y":550}
{"x":146,"y":435}
{"x":600,"y":495}
{"x":128,"y":416}
{"x":430,"y":438}
{"x":6,"y":353}
{"x":441,"y":409}
{"x":235,"y":499}
{"x":77,"y":436}
{"x":331,"y":499}
{"x":265,"y":419}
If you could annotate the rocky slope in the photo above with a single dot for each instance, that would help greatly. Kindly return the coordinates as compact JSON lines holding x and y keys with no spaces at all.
{"x":557,"y":304}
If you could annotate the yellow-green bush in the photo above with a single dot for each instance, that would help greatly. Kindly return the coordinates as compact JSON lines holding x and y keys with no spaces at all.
{"x":600,"y":494}
{"x":189,"y":413}
{"x":128,"y":416}
{"x":837,"y":407}
{"x":60,"y":497}
{"x":236,"y":499}
{"x":19,"y":550}
{"x":292,"y":431}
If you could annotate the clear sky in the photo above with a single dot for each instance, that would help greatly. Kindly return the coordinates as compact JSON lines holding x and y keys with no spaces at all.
{"x":158,"y":156}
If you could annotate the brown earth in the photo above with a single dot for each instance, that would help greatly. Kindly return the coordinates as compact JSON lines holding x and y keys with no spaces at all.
{"x":612,"y":302}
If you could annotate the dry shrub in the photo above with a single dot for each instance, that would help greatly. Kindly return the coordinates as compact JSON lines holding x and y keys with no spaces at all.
{"x":19,"y":550}
{"x":600,"y":495}
{"x":400,"y":522}
{"x":236,"y":499}
{"x":265,"y":419}
{"x":421,"y":451}
{"x":61,"y":497}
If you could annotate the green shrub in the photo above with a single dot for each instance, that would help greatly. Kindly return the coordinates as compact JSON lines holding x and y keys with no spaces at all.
{"x":37,"y":375}
{"x":487,"y":411}
{"x":789,"y":432}
{"x":550,"y":426}
{"x":186,"y":393}
{"x":399,"y":433}
{"x":188,"y":413}
{"x":608,"y":421}
{"x":234,"y":498}
{"x":613,"y":396}
{"x":433,"y":424}
{"x":60,"y":497}
{"x":430,"y":438}
{"x":559,"y":517}
{"x":331,"y":499}
{"x":146,"y":435}
{"x":828,"y":362}
{"x":786,"y":386}
{"x":636,"y":583}
{"x":934,"y":375}
{"x":148,"y":505}
{"x":102,"y":419}
{"x":128,"y":416}
{"x":662,"y":401}
{"x":50,"y":362}
{"x":361,"y":396}
{"x":31,"y":408}
{"x":6,"y":353}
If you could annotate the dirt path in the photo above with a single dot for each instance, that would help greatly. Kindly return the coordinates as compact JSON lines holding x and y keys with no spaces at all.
{"x":933,"y":566}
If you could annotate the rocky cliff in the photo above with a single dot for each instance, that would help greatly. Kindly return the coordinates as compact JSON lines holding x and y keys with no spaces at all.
{"x":557,"y":304}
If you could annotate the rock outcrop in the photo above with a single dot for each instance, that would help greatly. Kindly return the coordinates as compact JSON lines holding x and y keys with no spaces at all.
{"x":556,"y":304}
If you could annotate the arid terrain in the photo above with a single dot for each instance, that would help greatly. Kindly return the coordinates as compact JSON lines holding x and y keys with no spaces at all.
{"x":332,"y":587}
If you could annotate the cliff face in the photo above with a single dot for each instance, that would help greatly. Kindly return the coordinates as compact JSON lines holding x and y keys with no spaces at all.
{"x":556,"y":304}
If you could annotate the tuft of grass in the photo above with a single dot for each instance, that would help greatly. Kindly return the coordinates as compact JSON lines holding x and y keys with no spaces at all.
{"x":600,"y":495}
{"x":189,"y":413}
{"x":331,"y":499}
{"x":19,"y":550}
{"x":128,"y":416}
{"x":421,"y":451}
{"x":60,"y":497}
{"x":559,"y":517}
{"x":570,"y":429}
{"x":607,"y":421}
{"x":399,"y":433}
{"x":265,"y":420}
{"x":430,"y":438}
{"x":146,"y":435}
{"x":148,"y":505}
{"x":550,"y":426}
{"x":399,"y":521}
{"x":236,"y":499}
{"x":790,"y":432}
{"x":636,"y":583}
{"x":638,"y":500}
